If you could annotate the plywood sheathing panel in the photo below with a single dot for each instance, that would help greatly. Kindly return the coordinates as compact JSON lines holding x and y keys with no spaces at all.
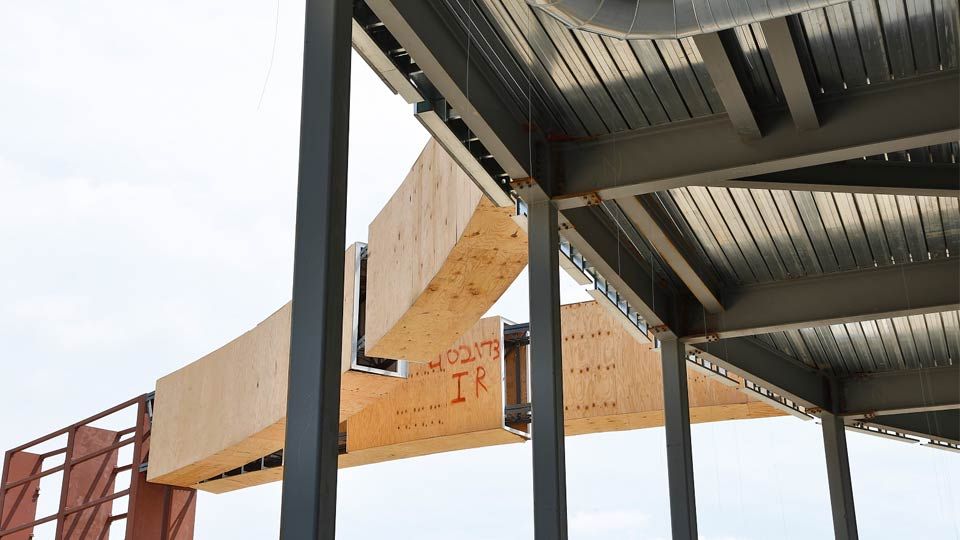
{"x":229,"y":408}
{"x":441,"y":254}
{"x":225,"y":409}
{"x":458,"y":393}
{"x":612,"y":381}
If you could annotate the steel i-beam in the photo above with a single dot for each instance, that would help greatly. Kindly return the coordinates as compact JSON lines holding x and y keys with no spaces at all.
{"x":309,"y":502}
{"x":838,"y":477}
{"x":676,"y":413}
{"x":546,"y":375}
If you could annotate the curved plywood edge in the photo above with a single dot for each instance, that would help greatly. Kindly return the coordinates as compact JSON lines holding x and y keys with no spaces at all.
{"x":651,"y":419}
{"x":441,"y":255}
{"x":229,"y":407}
{"x":416,"y":448}
{"x":222,"y":410}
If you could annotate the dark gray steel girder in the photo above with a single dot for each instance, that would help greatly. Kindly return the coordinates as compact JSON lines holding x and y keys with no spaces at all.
{"x":651,"y":221}
{"x":859,"y":295}
{"x":941,"y":425}
{"x":872,"y":394}
{"x":897,"y":116}
{"x":546,"y":374}
{"x":439,"y":46}
{"x":714,"y":54}
{"x":783,"y":52}
{"x":311,"y":446}
{"x":676,"y":415}
{"x":897,"y":392}
{"x":861,"y":176}
{"x":770,"y":368}
{"x":838,"y":477}
{"x":632,"y":278}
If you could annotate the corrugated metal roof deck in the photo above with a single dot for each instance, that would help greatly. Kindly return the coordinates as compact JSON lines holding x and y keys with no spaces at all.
{"x":593,"y":85}
{"x":748,"y":236}
{"x":887,"y":344}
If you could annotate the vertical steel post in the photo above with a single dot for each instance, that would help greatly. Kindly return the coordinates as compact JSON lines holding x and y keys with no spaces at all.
{"x":838,"y":477}
{"x":309,"y":502}
{"x":676,"y":412}
{"x":546,"y":375}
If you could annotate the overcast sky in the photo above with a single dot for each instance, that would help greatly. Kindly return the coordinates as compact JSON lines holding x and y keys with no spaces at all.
{"x":146,"y":218}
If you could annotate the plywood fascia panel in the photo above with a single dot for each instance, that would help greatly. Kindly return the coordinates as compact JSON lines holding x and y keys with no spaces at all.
{"x":611,"y":378}
{"x":441,"y":254}
{"x":229,"y":408}
{"x":458,"y":392}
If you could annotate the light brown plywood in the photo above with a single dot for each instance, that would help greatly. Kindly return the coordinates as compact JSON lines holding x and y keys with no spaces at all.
{"x":229,"y":408}
{"x":440,"y":255}
{"x":613,"y":382}
{"x":457,"y":393}
{"x":454,"y":402}
{"x":447,"y":443}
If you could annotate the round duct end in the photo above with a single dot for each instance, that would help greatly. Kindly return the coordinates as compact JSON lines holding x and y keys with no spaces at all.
{"x":668,"y":19}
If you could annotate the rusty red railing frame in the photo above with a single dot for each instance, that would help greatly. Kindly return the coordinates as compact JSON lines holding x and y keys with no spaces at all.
{"x":140,"y":431}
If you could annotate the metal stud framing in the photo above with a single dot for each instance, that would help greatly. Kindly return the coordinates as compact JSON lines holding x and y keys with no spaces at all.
{"x":310,"y":470}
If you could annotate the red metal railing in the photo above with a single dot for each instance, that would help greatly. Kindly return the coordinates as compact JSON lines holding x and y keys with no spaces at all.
{"x":136,"y":435}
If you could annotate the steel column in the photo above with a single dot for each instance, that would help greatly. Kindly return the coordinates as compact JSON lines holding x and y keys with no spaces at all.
{"x":546,"y":375}
{"x":676,"y":413}
{"x":838,"y":477}
{"x":309,"y":502}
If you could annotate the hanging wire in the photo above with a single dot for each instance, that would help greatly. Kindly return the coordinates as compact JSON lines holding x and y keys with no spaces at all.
{"x":273,"y":52}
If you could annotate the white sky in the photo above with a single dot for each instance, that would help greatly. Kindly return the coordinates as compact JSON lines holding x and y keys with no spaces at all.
{"x":146,"y":218}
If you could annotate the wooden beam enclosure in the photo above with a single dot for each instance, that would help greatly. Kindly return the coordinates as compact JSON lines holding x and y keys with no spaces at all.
{"x":229,"y":407}
{"x":612,"y":382}
{"x":454,"y":402}
{"x":441,"y":254}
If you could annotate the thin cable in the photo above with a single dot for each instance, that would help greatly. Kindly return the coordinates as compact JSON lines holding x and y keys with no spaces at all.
{"x":273,"y":52}
{"x":926,"y":399}
{"x":469,"y":42}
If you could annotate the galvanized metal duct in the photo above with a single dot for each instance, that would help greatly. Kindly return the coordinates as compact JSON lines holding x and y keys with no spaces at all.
{"x":658,"y":19}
